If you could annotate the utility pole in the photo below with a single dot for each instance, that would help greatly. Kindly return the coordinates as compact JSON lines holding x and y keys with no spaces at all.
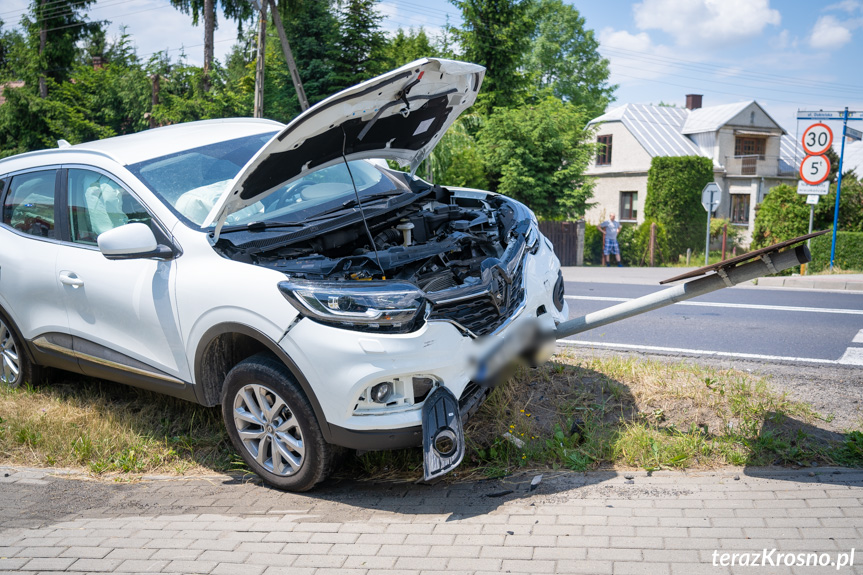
{"x":43,"y":41}
{"x":259,"y":67}
{"x":289,"y":58}
{"x":209,"y":25}
{"x":154,"y":99}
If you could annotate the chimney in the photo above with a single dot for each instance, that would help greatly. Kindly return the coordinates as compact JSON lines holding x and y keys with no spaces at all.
{"x":693,"y":101}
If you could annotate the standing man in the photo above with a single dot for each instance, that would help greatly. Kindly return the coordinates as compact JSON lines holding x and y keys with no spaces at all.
{"x":610,"y":229}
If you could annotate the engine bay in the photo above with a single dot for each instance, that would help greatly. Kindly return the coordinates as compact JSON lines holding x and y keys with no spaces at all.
{"x":440,"y":240}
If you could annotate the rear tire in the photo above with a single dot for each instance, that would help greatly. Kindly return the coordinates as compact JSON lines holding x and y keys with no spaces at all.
{"x":272,"y":425}
{"x":15,"y":367}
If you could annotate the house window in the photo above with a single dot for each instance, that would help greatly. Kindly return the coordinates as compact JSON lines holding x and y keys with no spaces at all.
{"x":603,"y":155}
{"x":750,"y":146}
{"x":627,"y":206}
{"x":739,"y":208}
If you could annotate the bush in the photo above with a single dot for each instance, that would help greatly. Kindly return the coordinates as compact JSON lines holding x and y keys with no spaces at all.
{"x":734,"y":233}
{"x":850,"y":207}
{"x":592,"y":244}
{"x":674,"y":199}
{"x":849,"y":251}
{"x":781,"y":216}
{"x":636,"y":250}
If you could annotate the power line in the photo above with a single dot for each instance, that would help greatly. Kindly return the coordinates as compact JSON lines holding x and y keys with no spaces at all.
{"x":724,"y":83}
{"x":712,"y":68}
{"x":746,"y":96}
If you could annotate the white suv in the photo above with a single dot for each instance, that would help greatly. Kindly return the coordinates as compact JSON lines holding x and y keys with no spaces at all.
{"x":283,"y":272}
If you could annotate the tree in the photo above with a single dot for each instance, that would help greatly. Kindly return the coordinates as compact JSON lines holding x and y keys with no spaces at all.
{"x":673,"y":199}
{"x":360,"y":44}
{"x":408,"y":46}
{"x":313,"y":31}
{"x":54,"y":27}
{"x":496,"y":34}
{"x":456,"y":160}
{"x":537,"y":154}
{"x":564,"y":57}
{"x":239,"y":10}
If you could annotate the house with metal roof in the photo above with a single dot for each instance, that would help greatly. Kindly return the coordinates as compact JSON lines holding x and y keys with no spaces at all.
{"x":751,"y":153}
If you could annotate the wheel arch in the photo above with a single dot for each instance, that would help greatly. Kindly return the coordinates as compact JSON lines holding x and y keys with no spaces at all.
{"x":225,"y":345}
{"x":25,"y":344}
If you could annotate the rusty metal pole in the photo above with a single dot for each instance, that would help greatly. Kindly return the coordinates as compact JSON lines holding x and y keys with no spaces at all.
{"x":725,"y":238}
{"x":652,"y":243}
{"x":259,"y":65}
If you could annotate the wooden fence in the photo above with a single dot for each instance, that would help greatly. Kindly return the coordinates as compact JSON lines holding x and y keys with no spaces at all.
{"x":564,"y":237}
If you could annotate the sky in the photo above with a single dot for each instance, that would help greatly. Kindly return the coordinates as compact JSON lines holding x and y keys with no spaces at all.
{"x":787,"y":55}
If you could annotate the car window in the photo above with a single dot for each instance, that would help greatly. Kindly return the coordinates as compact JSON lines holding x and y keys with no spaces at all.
{"x":97,"y":204}
{"x":190,"y":181}
{"x":29,"y":205}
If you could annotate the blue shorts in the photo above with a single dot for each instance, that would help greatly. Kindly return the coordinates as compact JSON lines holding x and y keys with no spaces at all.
{"x":611,"y":247}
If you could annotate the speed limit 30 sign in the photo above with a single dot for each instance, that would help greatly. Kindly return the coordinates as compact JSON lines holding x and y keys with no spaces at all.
{"x":814,"y":169}
{"x":817,"y":139}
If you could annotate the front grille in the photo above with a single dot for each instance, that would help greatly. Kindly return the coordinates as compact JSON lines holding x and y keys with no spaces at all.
{"x":480,"y":315}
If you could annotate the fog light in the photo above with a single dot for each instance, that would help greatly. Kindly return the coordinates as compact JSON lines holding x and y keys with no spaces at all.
{"x":382,"y":392}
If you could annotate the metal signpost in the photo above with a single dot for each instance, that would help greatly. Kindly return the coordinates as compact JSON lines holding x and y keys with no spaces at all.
{"x":813,"y":137}
{"x":711,"y":196}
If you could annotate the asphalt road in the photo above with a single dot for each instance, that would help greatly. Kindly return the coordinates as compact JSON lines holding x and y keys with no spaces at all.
{"x":815,"y":327}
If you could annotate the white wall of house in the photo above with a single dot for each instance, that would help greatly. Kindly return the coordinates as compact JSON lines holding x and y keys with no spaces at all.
{"x":626,"y":173}
{"x":606,"y":195}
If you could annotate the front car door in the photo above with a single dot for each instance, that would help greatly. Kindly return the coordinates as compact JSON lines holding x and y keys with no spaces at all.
{"x":121,"y":312}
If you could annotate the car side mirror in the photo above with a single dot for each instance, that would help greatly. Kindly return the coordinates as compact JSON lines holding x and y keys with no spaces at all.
{"x":132,"y":241}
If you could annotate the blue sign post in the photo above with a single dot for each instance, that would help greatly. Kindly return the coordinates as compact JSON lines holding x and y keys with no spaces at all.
{"x":838,"y":190}
{"x":821,"y":115}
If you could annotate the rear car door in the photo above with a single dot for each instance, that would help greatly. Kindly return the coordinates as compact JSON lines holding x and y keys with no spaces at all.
{"x":121,"y":312}
{"x":29,"y":286}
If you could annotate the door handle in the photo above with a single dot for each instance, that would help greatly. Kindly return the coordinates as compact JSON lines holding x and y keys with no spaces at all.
{"x":71,"y":279}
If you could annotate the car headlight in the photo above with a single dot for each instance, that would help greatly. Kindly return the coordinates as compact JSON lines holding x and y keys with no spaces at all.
{"x":379,"y":306}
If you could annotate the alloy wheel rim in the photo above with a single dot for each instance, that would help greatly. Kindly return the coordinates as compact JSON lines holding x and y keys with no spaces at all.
{"x":269,"y":430}
{"x":10,"y":370}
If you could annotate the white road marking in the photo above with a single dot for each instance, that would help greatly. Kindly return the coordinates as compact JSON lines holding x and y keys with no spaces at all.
{"x":736,"y":306}
{"x":858,"y":338}
{"x":852,"y":356}
{"x":704,"y":352}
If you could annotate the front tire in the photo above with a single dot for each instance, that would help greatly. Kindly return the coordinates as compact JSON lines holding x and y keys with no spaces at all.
{"x":272,"y":425}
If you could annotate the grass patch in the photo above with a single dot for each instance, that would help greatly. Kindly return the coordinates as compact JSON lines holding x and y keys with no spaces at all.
{"x":576,"y":413}
{"x":589,"y":413}
{"x":110,"y":428}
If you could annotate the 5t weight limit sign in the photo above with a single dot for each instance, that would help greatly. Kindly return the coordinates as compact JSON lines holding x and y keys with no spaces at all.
{"x":814,"y":169}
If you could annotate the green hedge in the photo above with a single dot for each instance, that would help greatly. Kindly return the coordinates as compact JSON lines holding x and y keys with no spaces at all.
{"x":849,"y":251}
{"x":673,"y":199}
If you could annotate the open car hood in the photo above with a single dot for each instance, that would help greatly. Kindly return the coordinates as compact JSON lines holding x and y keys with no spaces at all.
{"x":400,"y":115}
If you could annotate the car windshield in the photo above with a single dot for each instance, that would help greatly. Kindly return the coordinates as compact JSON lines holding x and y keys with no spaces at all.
{"x":192,"y":181}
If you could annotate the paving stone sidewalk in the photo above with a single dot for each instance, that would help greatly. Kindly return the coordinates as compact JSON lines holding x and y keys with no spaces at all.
{"x":627,"y":523}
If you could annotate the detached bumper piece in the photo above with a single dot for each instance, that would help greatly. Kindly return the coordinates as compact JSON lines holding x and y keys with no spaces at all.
{"x":443,"y":436}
